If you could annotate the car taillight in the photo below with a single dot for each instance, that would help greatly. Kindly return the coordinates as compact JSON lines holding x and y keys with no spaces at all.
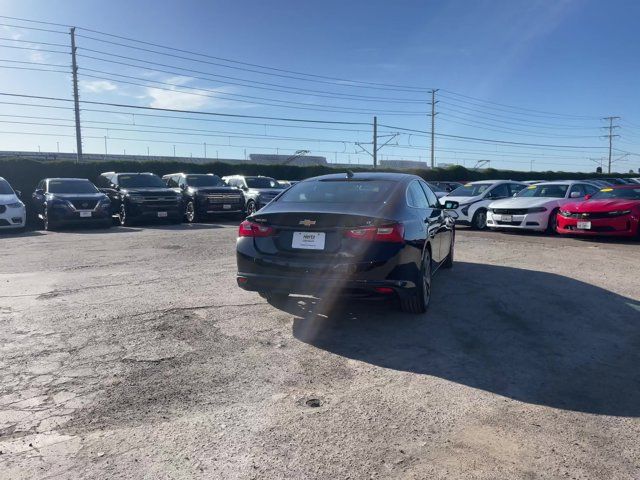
{"x":251,"y":229}
{"x":384,"y":233}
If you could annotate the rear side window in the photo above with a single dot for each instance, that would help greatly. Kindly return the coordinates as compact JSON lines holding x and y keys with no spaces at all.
{"x":342,"y":191}
{"x":416,"y":197}
{"x":499,"y":191}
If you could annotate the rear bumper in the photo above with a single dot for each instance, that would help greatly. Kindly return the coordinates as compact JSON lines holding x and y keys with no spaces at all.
{"x":323,"y":286}
{"x":623,"y":226}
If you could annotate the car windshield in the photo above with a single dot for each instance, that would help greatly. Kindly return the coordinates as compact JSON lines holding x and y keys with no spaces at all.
{"x":262,"y":182}
{"x":137,"y":180}
{"x":471,"y":190}
{"x":205,"y":181}
{"x":626,"y":193}
{"x":342,"y":191}
{"x":542,"y":190}
{"x":5,"y":188}
{"x":71,"y":186}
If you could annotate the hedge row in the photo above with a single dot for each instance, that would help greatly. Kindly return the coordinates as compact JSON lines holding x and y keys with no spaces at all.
{"x":25,"y":174}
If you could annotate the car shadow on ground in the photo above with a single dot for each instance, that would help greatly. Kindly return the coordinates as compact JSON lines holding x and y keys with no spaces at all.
{"x":532,"y":336}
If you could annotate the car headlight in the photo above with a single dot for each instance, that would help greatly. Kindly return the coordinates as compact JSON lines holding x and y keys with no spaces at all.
{"x":105,"y":202}
{"x":58,"y":202}
{"x":536,"y":210}
{"x":619,"y":212}
{"x":15,"y":205}
{"x":564,"y":213}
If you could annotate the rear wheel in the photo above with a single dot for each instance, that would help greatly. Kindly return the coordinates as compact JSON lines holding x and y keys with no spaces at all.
{"x":479,"y":220}
{"x":552,"y":224}
{"x":419,"y":301}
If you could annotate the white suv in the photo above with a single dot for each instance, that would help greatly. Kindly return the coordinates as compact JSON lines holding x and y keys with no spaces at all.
{"x":13,"y":215}
{"x":474,"y":198}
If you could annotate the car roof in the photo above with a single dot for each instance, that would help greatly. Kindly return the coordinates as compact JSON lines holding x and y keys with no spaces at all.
{"x":368,"y":176}
{"x":68,"y":179}
{"x":623,"y":187}
{"x":482,"y":182}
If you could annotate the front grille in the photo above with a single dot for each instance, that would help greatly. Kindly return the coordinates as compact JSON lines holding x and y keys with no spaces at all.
{"x":589,"y":216}
{"x":84,"y":204}
{"x":594,"y":228}
{"x":224,"y":198}
{"x":3,"y":208}
{"x":499,"y":222}
{"x":158,"y":203}
{"x":510,"y":211}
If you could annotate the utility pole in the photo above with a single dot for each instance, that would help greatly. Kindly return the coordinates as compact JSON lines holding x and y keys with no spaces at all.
{"x":76,"y":100}
{"x":205,"y":149}
{"x":611,"y":128}
{"x":375,"y":142}
{"x":433,"y":126}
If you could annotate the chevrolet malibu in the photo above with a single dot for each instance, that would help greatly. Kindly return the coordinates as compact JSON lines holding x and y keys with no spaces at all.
{"x":366,"y":234}
{"x":536,"y":207}
{"x":613,"y":211}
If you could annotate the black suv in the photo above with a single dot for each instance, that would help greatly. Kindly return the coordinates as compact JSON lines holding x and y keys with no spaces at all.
{"x":58,"y":201}
{"x":205,"y":195}
{"x":140,"y":196}
{"x":258,"y":191}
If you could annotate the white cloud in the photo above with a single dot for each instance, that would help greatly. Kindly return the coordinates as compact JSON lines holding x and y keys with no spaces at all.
{"x":37,"y":56}
{"x":98,"y":86}
{"x":175,"y":99}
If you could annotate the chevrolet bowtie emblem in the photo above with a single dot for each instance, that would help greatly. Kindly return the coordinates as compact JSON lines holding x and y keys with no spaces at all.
{"x":307,"y":223}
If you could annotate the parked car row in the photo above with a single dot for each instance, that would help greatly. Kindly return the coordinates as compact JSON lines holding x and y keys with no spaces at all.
{"x":127,"y":198}
{"x":607,"y":207}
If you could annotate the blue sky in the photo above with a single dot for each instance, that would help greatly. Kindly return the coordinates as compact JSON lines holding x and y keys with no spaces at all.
{"x":536,"y":72}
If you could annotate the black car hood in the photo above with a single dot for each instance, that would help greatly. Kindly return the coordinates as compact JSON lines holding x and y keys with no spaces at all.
{"x":148,"y":191}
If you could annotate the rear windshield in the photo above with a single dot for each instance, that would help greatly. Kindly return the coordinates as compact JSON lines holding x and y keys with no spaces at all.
{"x":343,"y":191}
{"x":627,"y":193}
{"x":137,"y":180}
{"x":262,"y":182}
{"x":471,"y":190}
{"x":71,"y":186}
{"x":542,"y":190}
{"x":205,"y":181}
{"x":5,"y":188}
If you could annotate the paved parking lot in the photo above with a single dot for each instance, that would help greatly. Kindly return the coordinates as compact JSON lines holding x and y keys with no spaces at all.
{"x":130,"y":353}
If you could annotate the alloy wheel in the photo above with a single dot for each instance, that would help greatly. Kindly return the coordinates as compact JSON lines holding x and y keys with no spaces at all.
{"x":191,"y":212}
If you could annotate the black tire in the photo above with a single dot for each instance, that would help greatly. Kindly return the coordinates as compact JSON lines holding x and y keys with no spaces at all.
{"x":251,"y":208}
{"x":479,"y":220}
{"x":448,"y":262}
{"x":46,"y":223}
{"x":125,"y":220}
{"x":419,"y":302}
{"x":552,"y":225}
{"x":190,"y":212}
{"x":275,"y":299}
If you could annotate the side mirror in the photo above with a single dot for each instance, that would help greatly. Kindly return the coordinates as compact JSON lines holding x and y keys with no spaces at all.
{"x":39,"y":191}
{"x":183,"y":187}
{"x":587,"y":196}
{"x":575,"y":195}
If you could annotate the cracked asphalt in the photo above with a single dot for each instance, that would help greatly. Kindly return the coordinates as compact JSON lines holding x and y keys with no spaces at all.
{"x":131,"y":353}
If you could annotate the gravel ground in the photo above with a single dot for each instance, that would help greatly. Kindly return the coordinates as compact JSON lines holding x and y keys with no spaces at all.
{"x":130,"y":353}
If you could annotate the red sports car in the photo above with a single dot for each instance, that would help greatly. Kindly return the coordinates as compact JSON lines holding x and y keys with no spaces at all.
{"x":613,"y":211}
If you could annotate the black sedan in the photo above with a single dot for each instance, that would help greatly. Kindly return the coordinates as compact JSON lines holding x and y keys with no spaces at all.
{"x":58,"y":201}
{"x":371,"y":234}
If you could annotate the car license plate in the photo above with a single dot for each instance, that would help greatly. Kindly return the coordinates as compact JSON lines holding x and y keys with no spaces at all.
{"x":308,"y":240}
{"x":162,"y":214}
{"x":85,"y":214}
{"x":584,"y":226}
{"x":507,"y":218}
{"x":226,"y":207}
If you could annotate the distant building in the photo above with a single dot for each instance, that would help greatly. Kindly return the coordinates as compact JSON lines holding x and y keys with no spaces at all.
{"x":403,"y":164}
{"x":269,"y":159}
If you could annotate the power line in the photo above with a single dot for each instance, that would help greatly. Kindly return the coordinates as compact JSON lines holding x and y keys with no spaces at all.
{"x":31,"y":28}
{"x":257,"y":84}
{"x":226,"y":96}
